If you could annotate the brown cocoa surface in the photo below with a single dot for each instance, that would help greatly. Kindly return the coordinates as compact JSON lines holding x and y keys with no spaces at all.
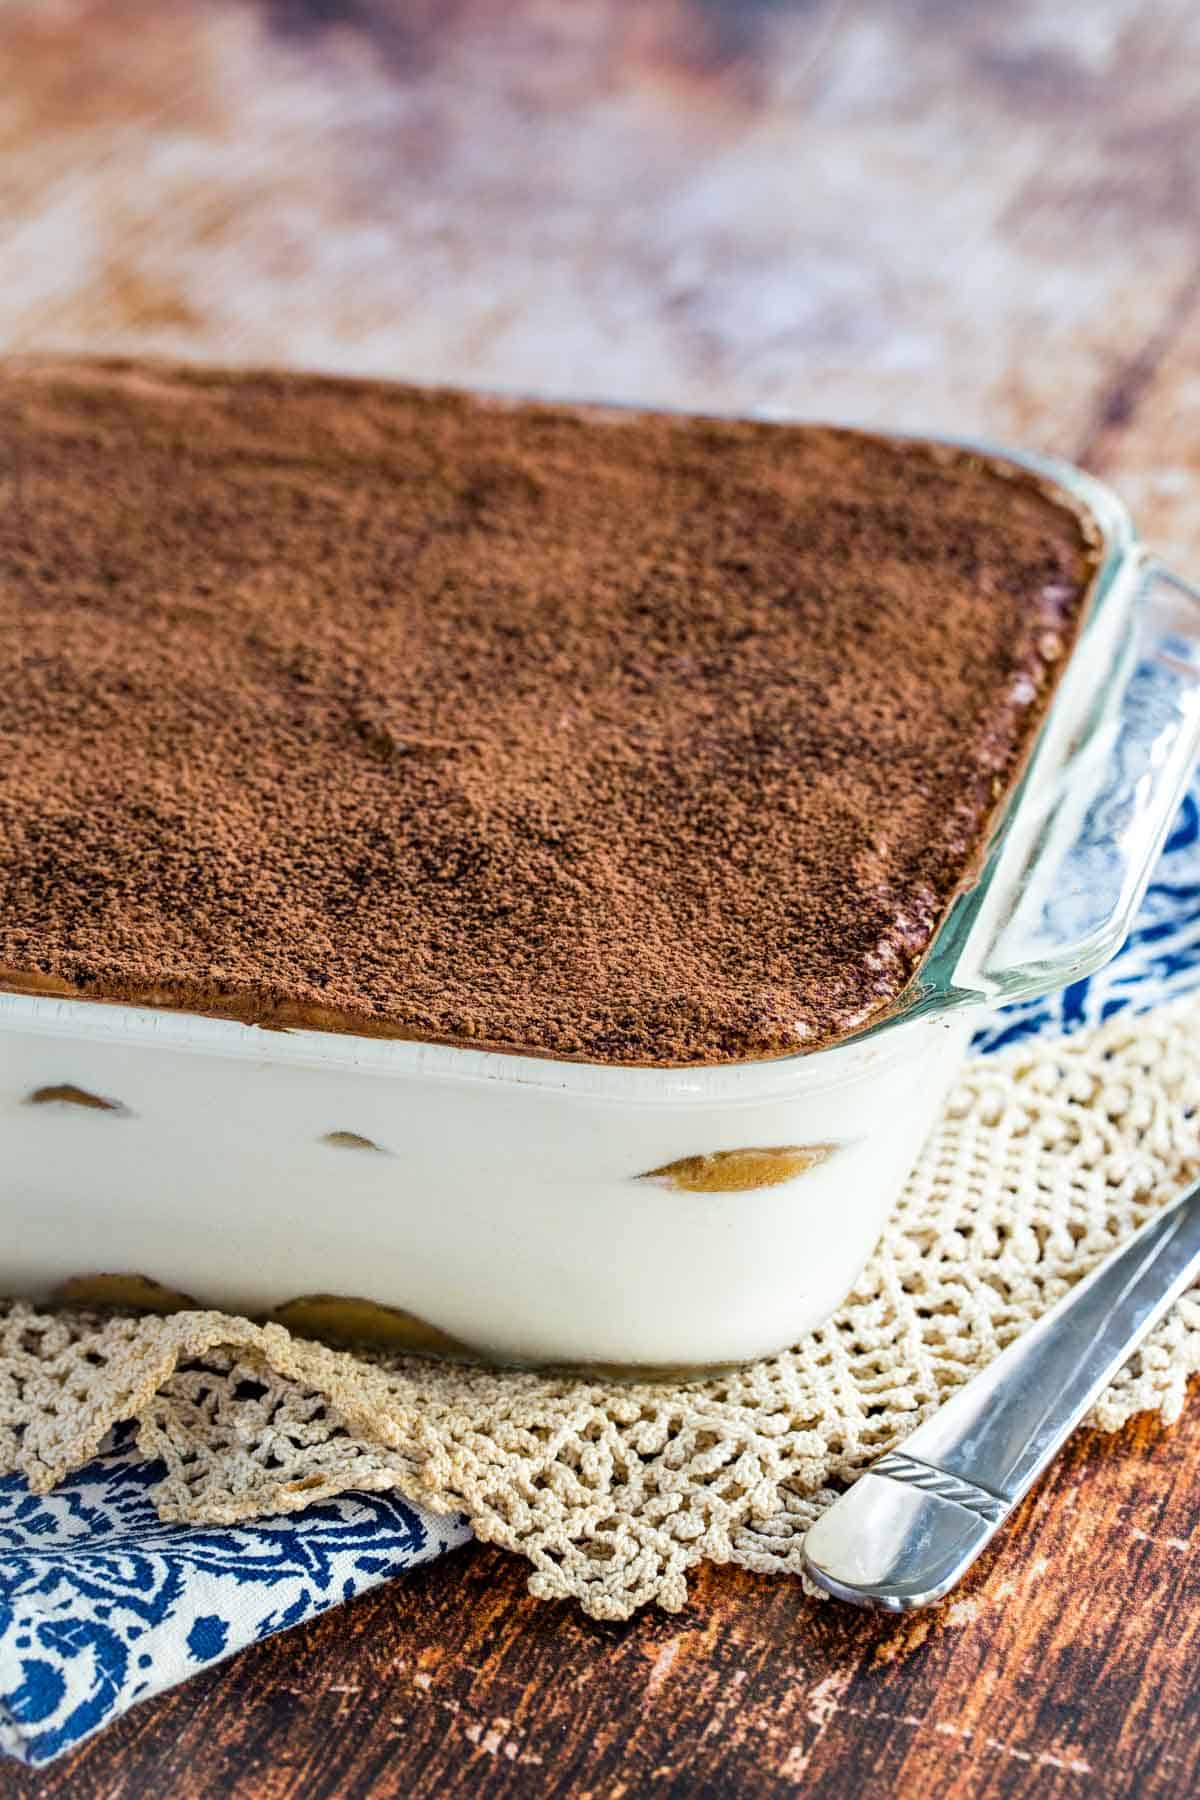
{"x":628,"y":737}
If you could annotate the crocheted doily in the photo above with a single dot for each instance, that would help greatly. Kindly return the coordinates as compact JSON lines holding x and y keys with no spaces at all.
{"x":1046,"y":1157}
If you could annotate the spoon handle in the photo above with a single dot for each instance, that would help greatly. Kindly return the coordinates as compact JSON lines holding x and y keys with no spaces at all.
{"x":911,"y":1527}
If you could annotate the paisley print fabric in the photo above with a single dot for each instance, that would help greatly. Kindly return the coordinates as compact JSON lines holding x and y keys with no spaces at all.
{"x":101,"y":1604}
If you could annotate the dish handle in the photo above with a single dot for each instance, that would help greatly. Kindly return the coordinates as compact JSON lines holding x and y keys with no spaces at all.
{"x":1062,"y":889}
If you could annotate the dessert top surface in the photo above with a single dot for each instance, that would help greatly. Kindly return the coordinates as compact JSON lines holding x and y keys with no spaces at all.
{"x":617,"y":736}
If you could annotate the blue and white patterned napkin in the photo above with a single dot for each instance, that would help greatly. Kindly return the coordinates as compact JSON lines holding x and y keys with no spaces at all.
{"x":102,"y":1605}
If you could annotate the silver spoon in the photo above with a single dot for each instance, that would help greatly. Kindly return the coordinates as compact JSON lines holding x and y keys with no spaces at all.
{"x":911,"y":1527}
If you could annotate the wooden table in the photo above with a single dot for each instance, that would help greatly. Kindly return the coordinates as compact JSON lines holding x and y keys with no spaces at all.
{"x":1067,"y":1666}
{"x":913,"y":212}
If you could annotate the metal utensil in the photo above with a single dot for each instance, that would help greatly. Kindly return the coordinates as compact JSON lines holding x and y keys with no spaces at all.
{"x":911,"y":1527}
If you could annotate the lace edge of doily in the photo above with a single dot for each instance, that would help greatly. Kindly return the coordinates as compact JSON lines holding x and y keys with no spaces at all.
{"x":764,"y":1534}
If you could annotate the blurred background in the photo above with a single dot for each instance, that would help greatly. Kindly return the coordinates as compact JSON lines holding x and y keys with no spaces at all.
{"x":923,"y":213}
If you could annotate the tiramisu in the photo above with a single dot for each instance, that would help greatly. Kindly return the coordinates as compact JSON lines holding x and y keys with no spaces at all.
{"x":624,"y":738}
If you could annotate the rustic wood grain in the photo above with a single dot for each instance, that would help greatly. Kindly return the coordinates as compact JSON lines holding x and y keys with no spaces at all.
{"x":1069,"y":1666}
{"x":915,"y":212}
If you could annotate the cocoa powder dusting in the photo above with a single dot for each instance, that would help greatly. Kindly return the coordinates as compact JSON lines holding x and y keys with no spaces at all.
{"x":624,"y":737}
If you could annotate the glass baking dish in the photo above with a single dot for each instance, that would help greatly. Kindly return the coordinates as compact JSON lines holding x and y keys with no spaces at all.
{"x":534,"y":1211}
